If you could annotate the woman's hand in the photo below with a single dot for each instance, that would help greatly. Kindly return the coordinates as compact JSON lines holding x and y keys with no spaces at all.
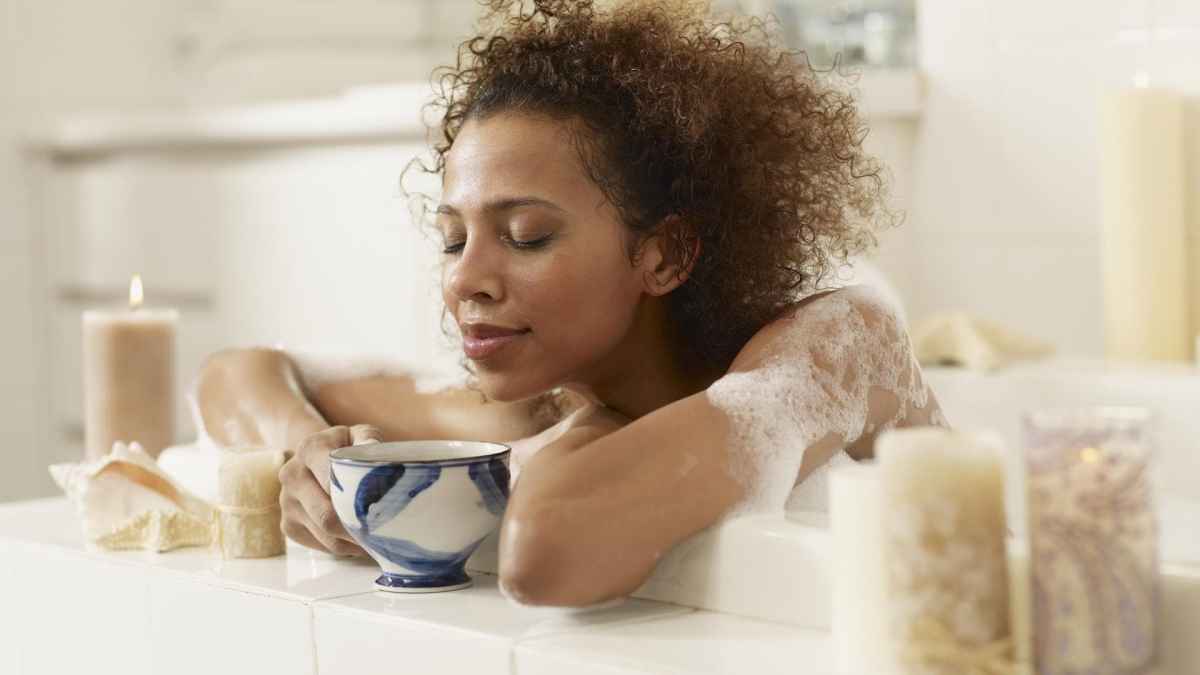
{"x":308,"y":515}
{"x":582,"y":426}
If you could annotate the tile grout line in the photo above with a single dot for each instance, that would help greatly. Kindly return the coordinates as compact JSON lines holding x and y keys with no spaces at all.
{"x":605,"y":627}
{"x":312,"y":636}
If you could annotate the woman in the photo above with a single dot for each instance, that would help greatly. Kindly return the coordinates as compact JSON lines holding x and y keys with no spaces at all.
{"x":639,"y":210}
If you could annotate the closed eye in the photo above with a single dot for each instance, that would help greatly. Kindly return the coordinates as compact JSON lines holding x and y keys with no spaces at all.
{"x":532,"y":243}
{"x":529,"y":245}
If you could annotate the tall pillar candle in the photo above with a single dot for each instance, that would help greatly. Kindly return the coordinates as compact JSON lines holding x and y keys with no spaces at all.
{"x":1191,"y":131}
{"x":129,"y":376}
{"x":1093,"y":542}
{"x":944,"y":543}
{"x":1144,"y":242}
{"x":860,"y":628}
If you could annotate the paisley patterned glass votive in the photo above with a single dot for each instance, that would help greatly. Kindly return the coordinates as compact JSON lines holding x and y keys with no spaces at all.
{"x":1093,"y":541}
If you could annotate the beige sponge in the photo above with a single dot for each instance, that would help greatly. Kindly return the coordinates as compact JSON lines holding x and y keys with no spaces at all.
{"x":246,"y":517}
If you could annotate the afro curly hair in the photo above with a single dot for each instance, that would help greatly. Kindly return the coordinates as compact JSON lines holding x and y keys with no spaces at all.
{"x":694,"y":128}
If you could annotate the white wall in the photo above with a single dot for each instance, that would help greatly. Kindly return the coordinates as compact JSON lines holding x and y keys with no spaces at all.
{"x":56,"y":56}
{"x":65,"y":57}
{"x":1005,"y":218}
{"x":1001,"y":184}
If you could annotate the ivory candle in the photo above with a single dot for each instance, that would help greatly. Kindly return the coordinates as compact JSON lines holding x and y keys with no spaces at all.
{"x":1144,"y":242}
{"x":129,"y":376}
{"x":944,"y":543}
{"x":859,"y":591}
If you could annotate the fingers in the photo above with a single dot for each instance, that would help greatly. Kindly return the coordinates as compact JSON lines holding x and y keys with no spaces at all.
{"x":319,"y":509}
{"x":314,"y":452}
{"x":298,"y":527}
{"x":308,"y":514}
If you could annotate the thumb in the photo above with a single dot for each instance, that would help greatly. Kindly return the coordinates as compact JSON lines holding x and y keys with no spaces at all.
{"x":362,"y":434}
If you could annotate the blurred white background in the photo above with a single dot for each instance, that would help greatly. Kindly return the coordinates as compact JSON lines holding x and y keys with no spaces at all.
{"x":244,"y":157}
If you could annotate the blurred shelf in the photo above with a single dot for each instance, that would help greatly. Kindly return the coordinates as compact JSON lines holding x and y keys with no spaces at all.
{"x":895,"y":94}
{"x":365,"y":114}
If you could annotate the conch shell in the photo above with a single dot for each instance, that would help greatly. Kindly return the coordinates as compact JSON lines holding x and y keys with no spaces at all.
{"x":126,"y":501}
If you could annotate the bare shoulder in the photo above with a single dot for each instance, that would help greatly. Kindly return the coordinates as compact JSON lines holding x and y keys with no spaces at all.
{"x":822,"y":319}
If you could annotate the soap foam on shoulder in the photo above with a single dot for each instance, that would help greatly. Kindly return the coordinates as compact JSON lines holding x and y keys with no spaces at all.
{"x":831,"y":355}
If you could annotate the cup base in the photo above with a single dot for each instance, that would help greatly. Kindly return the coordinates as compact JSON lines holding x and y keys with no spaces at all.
{"x":399,"y":583}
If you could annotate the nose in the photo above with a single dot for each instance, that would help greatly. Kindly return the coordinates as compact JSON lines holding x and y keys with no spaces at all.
{"x":475,"y":274}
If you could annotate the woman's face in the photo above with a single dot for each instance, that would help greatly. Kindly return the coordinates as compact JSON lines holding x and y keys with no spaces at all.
{"x":532,"y":247}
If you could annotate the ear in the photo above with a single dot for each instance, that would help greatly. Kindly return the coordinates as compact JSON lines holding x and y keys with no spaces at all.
{"x":666,"y":256}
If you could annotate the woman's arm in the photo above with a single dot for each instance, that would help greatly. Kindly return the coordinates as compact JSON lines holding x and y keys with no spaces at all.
{"x":258,"y":397}
{"x":253,"y":397}
{"x":596,"y":509}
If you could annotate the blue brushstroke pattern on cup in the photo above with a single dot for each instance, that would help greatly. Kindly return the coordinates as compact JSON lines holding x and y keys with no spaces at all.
{"x":386,"y":490}
{"x":415,"y":557}
{"x":492,"y":481}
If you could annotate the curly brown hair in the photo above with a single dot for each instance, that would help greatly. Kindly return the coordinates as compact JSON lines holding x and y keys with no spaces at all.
{"x":694,"y":128}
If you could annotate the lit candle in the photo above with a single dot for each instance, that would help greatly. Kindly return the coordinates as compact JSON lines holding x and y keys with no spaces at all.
{"x":1093,"y":540}
{"x":129,"y":376}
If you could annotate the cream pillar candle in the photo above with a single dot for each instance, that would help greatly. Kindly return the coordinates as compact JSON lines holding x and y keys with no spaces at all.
{"x":1191,"y":131}
{"x":860,"y":628}
{"x":944,"y":543}
{"x":129,"y":376}
{"x":1093,"y":542}
{"x":1144,"y":242}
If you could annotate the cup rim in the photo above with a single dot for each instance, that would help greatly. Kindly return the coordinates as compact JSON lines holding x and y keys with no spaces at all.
{"x":339,"y":455}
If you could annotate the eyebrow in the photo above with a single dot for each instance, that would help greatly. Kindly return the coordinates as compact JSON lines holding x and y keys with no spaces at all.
{"x":506,"y":204}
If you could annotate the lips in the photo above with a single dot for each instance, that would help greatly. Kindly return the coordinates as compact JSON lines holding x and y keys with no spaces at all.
{"x":481,"y":341}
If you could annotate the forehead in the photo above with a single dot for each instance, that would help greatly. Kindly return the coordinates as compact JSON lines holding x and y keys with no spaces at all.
{"x":510,"y":154}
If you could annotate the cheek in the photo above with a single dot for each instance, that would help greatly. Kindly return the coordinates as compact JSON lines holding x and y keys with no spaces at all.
{"x":582,"y":306}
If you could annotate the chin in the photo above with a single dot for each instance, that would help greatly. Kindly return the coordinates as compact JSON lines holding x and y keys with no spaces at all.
{"x":507,"y":389}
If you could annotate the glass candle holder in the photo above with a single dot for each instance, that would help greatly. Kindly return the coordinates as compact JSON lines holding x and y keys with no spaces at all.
{"x":1093,"y":541}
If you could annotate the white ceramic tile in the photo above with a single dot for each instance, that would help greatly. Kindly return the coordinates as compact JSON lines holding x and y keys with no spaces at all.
{"x":12,"y":602}
{"x":1068,"y":22}
{"x":79,"y":615}
{"x":1047,"y":290}
{"x":996,"y":401}
{"x":351,"y":643}
{"x":303,"y":575}
{"x":723,"y":569}
{"x":473,"y":628}
{"x":199,"y":628}
{"x":1181,"y":620}
{"x":50,"y":521}
{"x":534,"y":662}
{"x":699,"y":643}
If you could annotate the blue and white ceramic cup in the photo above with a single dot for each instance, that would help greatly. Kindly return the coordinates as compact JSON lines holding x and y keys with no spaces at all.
{"x":420,"y":508}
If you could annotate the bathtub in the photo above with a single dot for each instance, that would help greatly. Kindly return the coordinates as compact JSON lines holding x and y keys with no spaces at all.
{"x":777,"y":568}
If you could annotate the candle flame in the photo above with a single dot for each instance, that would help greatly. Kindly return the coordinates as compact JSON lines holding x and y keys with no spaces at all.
{"x":135,"y":292}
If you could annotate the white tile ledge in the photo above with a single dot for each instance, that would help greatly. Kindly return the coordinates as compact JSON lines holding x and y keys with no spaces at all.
{"x":318,"y":615}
